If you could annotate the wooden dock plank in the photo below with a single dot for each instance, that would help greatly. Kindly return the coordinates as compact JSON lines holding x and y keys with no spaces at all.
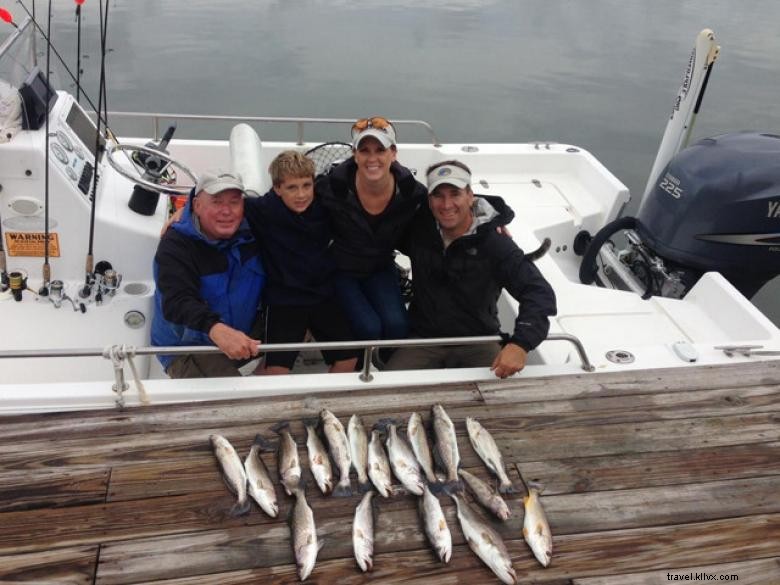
{"x":226,"y":414}
{"x":617,"y":472}
{"x":28,"y":491}
{"x":758,"y":572}
{"x":158,"y":533}
{"x":74,"y":566}
{"x":580,"y":417}
{"x":520,"y":389}
{"x":582,"y":555}
{"x":644,"y":473}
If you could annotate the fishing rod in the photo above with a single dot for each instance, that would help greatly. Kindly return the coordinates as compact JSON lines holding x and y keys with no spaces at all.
{"x":78,"y":50}
{"x":89,"y":278}
{"x":44,"y":290}
{"x":59,"y":57}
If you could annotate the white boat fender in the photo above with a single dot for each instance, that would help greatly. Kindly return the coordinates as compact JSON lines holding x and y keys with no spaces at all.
{"x":685,"y":351}
{"x":246,"y":158}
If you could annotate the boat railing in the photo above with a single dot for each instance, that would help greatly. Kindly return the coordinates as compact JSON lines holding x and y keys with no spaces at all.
{"x":157,"y":119}
{"x":118,"y":354}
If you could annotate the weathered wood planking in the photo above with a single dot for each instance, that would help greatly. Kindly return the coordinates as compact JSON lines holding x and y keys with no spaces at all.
{"x":188,"y":533}
{"x":759,"y":572}
{"x":74,"y":566}
{"x":581,"y":555}
{"x":616,"y":472}
{"x":738,"y":375}
{"x":644,"y":473}
{"x":230,"y":413}
{"x":27,"y":491}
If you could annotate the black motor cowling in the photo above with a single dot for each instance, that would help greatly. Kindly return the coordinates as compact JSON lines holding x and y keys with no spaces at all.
{"x":716,"y":207}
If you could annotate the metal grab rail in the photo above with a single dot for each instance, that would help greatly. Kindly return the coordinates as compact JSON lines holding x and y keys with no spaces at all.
{"x":366,"y":346}
{"x":157,"y":117}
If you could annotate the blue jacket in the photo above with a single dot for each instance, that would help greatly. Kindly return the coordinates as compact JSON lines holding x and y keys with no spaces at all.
{"x":201,"y":282}
{"x":296,"y":250}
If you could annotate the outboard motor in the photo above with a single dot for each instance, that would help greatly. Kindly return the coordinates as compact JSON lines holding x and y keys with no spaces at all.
{"x":715,"y":207}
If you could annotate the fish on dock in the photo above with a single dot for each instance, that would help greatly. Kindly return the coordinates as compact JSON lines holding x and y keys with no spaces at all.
{"x":319,"y":461}
{"x":339,"y":450}
{"x":488,"y":451}
{"x":363,"y":532}
{"x":447,"y":447}
{"x":304,"y":535}
{"x":435,"y":525}
{"x":486,"y":543}
{"x":485,"y":495}
{"x":289,"y":463}
{"x":358,"y":448}
{"x":418,"y":438}
{"x":379,"y":466}
{"x":260,"y":486}
{"x":403,"y":462}
{"x":232,"y":472}
{"x":536,"y":529}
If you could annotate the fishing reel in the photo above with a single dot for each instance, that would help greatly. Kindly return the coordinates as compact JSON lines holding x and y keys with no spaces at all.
{"x":17,"y":284}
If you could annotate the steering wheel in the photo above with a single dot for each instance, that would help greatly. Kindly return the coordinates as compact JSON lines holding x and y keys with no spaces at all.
{"x":139,"y":179}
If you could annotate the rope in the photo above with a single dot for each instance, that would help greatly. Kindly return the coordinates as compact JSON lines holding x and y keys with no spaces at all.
{"x":117,"y":354}
{"x":129,"y":351}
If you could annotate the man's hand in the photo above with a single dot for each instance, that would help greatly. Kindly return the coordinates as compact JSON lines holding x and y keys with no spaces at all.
{"x":172,"y":220}
{"x":233,"y":343}
{"x":509,"y":361}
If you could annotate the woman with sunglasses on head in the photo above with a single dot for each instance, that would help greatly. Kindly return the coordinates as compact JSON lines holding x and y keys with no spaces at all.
{"x":371,"y":199}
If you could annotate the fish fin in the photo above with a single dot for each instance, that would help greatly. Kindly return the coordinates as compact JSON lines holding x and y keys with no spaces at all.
{"x":342,"y":490}
{"x":525,"y":532}
{"x":240,"y":508}
{"x":264,"y":444}
{"x":320,"y":544}
{"x":539,"y":528}
{"x":280,"y":426}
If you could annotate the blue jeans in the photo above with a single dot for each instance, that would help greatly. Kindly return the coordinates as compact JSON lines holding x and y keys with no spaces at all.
{"x":373,"y":305}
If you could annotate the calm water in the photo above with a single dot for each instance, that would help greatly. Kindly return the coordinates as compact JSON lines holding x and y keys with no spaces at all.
{"x":601,"y":74}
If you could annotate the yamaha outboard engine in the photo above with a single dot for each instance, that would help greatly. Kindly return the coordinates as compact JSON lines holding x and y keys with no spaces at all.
{"x":715,"y":207}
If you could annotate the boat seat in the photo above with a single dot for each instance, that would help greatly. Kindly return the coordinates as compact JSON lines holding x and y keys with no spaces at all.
{"x":246,"y":158}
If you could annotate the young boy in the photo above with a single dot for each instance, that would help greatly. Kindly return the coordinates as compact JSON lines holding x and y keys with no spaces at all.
{"x":292,"y":228}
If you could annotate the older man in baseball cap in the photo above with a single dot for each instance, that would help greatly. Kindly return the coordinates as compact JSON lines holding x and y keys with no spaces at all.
{"x":209,"y":280}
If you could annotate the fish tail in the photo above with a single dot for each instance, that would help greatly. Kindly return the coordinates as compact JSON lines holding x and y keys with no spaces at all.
{"x":534,"y":484}
{"x":437,"y":487}
{"x":364,"y":486}
{"x":343,"y":489}
{"x":506,"y":487}
{"x":452,"y":487}
{"x":280,"y":426}
{"x":311,"y":422}
{"x":263,"y":444}
{"x":382,"y":424}
{"x":240,"y":508}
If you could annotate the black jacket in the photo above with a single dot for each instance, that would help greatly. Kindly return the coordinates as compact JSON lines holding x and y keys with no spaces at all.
{"x":296,"y":250}
{"x":358,"y":248}
{"x":455,"y":291}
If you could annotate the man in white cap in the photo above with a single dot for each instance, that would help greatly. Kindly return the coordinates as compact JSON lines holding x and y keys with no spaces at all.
{"x":209,"y":280}
{"x":460,"y":265}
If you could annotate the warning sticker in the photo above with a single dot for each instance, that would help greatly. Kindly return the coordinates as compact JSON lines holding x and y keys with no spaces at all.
{"x":31,"y":244}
